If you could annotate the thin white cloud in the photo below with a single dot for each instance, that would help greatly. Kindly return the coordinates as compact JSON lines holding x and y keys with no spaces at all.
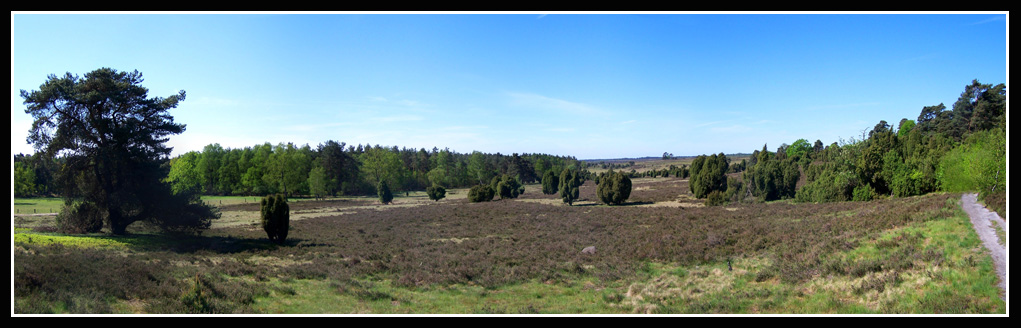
{"x":313,"y":127}
{"x":709,"y":123}
{"x":541,"y":16}
{"x":213,"y":101}
{"x":990,"y":20}
{"x":397,"y":118}
{"x":843,"y":106}
{"x":542,"y":102}
{"x":731,"y":129}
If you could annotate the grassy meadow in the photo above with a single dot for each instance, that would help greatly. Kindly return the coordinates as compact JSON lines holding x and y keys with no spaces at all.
{"x":661,"y":253}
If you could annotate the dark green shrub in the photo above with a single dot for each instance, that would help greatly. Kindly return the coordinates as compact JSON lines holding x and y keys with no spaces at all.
{"x":614,"y":188}
{"x":508,"y":187}
{"x":708,"y":173}
{"x":80,"y":217}
{"x":570,"y":181}
{"x":550,"y":183}
{"x":436,"y":192}
{"x":276,"y":217}
{"x":383,"y":191}
{"x":480,"y":193}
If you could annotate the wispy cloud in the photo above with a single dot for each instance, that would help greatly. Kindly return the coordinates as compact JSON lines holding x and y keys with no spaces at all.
{"x":709,"y":123}
{"x":542,"y":102}
{"x":843,"y":106}
{"x":218,"y":102}
{"x":731,"y":129}
{"x":541,"y":16}
{"x":313,"y":127}
{"x":397,"y":118}
{"x":990,"y":20}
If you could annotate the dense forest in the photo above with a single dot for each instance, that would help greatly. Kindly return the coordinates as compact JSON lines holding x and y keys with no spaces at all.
{"x":957,"y":149}
{"x":332,"y":168}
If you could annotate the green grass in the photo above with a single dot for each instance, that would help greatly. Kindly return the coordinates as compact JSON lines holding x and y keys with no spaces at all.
{"x":381,"y":297}
{"x":37,"y":205}
{"x":90,"y":241}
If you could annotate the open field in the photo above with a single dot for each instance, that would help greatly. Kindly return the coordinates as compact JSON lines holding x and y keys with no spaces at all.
{"x":648,"y":164}
{"x":663,"y":252}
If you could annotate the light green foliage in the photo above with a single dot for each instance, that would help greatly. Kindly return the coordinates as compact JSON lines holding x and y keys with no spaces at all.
{"x":287,"y":168}
{"x":318,"y":183}
{"x":183,"y":176}
{"x":380,"y":164}
{"x":905,"y":127}
{"x":799,"y":148}
{"x":979,"y":164}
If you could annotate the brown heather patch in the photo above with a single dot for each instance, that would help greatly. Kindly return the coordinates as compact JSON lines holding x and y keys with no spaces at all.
{"x":541,"y":238}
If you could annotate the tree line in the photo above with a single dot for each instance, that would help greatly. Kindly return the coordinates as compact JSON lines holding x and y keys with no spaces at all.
{"x":335,"y":168}
{"x":954,"y":150}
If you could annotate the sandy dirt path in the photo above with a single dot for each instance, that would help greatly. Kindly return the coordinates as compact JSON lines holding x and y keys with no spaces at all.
{"x":982,"y":220}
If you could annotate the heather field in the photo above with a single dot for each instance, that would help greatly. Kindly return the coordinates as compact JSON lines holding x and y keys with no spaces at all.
{"x":662,"y":252}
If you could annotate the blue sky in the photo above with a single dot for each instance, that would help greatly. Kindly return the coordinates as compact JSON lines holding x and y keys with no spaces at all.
{"x":585,"y":85}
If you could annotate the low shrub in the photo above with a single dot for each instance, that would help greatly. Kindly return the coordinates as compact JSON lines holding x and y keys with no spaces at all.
{"x":481,"y":193}
{"x":436,"y":192}
{"x":275,"y":217}
{"x":80,"y":218}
